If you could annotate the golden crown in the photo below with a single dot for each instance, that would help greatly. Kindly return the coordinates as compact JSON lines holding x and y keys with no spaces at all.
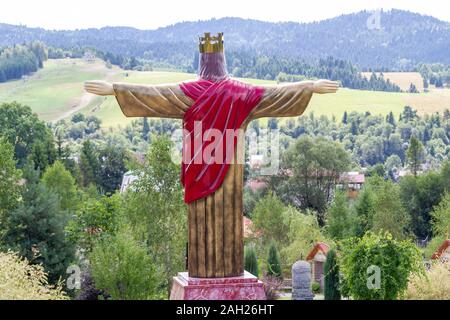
{"x":208,"y":43}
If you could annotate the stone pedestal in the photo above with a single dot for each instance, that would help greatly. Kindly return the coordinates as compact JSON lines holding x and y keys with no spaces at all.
{"x":301,"y":281}
{"x":245,"y":287}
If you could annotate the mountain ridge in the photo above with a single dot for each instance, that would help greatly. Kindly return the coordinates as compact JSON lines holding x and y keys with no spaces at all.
{"x":404,"y":40}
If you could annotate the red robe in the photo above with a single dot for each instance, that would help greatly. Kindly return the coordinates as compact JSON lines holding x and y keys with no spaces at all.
{"x":217,"y":105}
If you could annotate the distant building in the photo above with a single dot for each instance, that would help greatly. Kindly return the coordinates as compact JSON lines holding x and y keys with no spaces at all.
{"x":352,"y":181}
{"x":89,"y":57}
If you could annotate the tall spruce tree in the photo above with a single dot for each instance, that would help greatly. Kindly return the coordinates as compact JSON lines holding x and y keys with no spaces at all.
{"x":415,"y":155}
{"x":35,"y":229}
{"x":89,"y":164}
{"x":331,"y":279}
{"x":250,"y":261}
{"x":273,"y":262}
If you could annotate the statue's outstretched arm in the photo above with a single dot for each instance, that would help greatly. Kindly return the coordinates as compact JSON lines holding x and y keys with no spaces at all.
{"x":135,"y":100}
{"x":291,"y":99}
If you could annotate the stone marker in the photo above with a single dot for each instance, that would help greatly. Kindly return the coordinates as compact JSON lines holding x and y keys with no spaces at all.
{"x":301,"y":281}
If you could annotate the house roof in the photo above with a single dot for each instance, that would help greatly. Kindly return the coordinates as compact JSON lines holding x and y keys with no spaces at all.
{"x":352,"y":177}
{"x":319,"y":247}
{"x":441,"y":249}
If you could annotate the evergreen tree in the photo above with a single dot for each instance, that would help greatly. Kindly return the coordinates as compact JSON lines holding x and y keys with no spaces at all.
{"x":391,"y":119}
{"x":345,"y":118}
{"x":364,"y":208}
{"x":89,"y":164}
{"x":145,"y":129}
{"x":272,"y":123}
{"x":331,"y":277}
{"x":250,"y":261}
{"x":35,"y":229}
{"x":273,"y":262}
{"x":354,"y":128}
{"x":112,"y":167}
{"x":415,"y":155}
{"x":413,"y":88}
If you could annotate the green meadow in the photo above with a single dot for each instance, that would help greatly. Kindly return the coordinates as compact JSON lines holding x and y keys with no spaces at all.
{"x":56,"y":92}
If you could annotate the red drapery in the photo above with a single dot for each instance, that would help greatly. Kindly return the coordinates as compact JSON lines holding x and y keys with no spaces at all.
{"x":219,"y":107}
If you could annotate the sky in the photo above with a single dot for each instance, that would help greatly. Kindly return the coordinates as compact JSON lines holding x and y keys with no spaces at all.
{"x":151,"y":14}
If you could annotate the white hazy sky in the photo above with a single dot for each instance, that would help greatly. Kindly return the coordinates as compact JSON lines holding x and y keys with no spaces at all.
{"x":151,"y":14}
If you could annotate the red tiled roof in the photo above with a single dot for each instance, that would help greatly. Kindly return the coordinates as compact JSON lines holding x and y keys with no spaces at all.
{"x":441,"y":249}
{"x":320,"y":246}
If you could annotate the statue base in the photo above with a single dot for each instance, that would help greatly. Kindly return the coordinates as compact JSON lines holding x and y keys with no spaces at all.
{"x":245,"y":287}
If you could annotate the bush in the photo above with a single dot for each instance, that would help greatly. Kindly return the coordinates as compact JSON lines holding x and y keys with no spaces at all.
{"x":122,"y":268}
{"x":250,"y":261}
{"x":273,"y":262}
{"x":315,"y":287}
{"x":272,"y":286}
{"x":434,"y":285}
{"x":396,"y":260}
{"x":331,"y":279}
{"x":21,"y":281}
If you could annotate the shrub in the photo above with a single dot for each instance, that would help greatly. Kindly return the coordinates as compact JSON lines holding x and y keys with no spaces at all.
{"x":434,"y":285}
{"x":122,"y":268}
{"x":331,"y":279}
{"x":315,"y":287}
{"x":250,"y":261}
{"x":22,"y":281}
{"x":396,"y":260}
{"x":273,"y":262}
{"x":272,"y":286}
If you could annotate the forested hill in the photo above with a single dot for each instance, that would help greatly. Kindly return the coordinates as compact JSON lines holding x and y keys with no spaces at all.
{"x":404,"y":39}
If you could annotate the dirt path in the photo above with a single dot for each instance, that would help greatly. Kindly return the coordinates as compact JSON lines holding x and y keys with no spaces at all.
{"x":80,"y":103}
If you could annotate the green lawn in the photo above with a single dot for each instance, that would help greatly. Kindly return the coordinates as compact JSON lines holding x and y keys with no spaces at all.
{"x":54,"y":89}
{"x":57,"y":91}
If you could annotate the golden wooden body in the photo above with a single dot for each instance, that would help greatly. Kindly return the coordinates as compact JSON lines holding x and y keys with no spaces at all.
{"x":215,"y":247}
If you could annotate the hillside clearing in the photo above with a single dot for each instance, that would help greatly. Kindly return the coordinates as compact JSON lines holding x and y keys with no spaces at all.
{"x":56,"y":92}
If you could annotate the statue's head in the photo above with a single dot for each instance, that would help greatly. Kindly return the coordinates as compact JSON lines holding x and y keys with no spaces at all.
{"x":212,"y":63}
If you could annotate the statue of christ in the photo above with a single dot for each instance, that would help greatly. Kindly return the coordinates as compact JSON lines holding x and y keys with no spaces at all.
{"x":211,"y":107}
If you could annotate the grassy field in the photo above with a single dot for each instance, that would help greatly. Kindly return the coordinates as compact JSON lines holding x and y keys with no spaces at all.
{"x":56,"y":92}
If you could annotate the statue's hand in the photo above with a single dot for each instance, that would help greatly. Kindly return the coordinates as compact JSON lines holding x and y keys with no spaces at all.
{"x":325,"y":86}
{"x":100,"y":88}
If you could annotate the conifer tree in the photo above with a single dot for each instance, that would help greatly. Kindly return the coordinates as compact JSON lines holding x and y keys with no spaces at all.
{"x":331,"y":279}
{"x":273,"y":262}
{"x":250,"y":261}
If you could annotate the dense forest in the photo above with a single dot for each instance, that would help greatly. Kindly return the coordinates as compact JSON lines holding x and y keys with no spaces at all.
{"x":402,"y":40}
{"x":21,"y":60}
